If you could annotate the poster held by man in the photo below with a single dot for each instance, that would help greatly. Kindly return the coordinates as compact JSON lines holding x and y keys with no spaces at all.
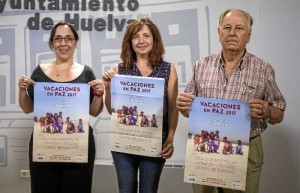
{"x":218,"y":143}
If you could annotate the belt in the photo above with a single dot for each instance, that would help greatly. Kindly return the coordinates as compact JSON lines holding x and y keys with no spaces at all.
{"x":251,"y":138}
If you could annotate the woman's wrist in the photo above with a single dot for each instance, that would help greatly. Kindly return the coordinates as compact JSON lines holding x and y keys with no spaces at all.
{"x":98,"y":94}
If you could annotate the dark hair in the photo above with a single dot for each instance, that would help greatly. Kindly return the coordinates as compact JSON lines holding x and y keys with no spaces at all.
{"x":76,"y":36}
{"x":127,"y":53}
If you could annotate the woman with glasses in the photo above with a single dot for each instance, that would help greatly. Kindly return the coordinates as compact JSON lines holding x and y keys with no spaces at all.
{"x":55,"y":177}
{"x":142,"y":55}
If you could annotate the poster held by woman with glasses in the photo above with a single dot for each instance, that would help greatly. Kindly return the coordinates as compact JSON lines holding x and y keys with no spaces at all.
{"x":50,"y":177}
{"x":142,"y":55}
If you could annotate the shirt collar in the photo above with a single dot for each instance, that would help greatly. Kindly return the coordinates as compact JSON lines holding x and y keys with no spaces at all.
{"x":242,"y":62}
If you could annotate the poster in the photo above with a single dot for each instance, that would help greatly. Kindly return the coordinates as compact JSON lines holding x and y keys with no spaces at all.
{"x":137,"y":114}
{"x":218,"y":143}
{"x":61,"y":122}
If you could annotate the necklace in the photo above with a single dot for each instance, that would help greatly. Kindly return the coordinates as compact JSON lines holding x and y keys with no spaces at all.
{"x":57,"y":74}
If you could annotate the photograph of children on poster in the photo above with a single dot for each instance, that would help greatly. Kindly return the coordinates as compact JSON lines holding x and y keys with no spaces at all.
{"x":218,"y":143}
{"x":61,"y":122}
{"x":137,"y":114}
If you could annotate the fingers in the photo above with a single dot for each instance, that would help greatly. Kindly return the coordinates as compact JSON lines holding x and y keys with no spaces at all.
{"x":184,"y":100}
{"x":97,"y":85}
{"x":258,"y":108}
{"x":256,"y":113}
{"x":24,"y":82}
{"x":168,"y":151}
{"x":108,"y":75}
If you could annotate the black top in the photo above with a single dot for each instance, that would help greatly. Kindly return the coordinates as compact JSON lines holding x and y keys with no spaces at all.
{"x":38,"y":75}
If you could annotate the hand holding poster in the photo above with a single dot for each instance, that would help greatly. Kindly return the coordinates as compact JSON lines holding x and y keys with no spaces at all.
{"x":61,"y":126}
{"x":218,"y":143}
{"x":137,"y":114}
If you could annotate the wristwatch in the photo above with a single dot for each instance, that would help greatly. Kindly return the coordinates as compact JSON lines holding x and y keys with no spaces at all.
{"x":269,"y":115}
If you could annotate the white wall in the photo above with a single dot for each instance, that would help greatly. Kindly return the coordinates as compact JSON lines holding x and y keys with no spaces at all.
{"x":279,"y":44}
{"x":275,"y":38}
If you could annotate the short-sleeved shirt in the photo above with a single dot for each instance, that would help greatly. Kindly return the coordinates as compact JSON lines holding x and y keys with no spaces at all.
{"x":253,"y":79}
{"x":161,"y":70}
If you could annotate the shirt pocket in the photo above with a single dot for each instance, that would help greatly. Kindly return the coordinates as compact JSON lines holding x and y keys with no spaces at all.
{"x":254,"y":92}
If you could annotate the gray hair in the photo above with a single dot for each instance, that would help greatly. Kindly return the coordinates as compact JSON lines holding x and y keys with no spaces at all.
{"x":247,"y":15}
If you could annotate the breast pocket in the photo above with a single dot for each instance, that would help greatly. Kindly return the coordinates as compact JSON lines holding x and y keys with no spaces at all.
{"x":254,"y":92}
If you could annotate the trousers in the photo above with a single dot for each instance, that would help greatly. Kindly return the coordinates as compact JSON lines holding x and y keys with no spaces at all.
{"x":137,"y":173}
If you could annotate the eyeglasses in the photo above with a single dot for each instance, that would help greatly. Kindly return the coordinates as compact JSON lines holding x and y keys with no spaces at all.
{"x":58,"y":39}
